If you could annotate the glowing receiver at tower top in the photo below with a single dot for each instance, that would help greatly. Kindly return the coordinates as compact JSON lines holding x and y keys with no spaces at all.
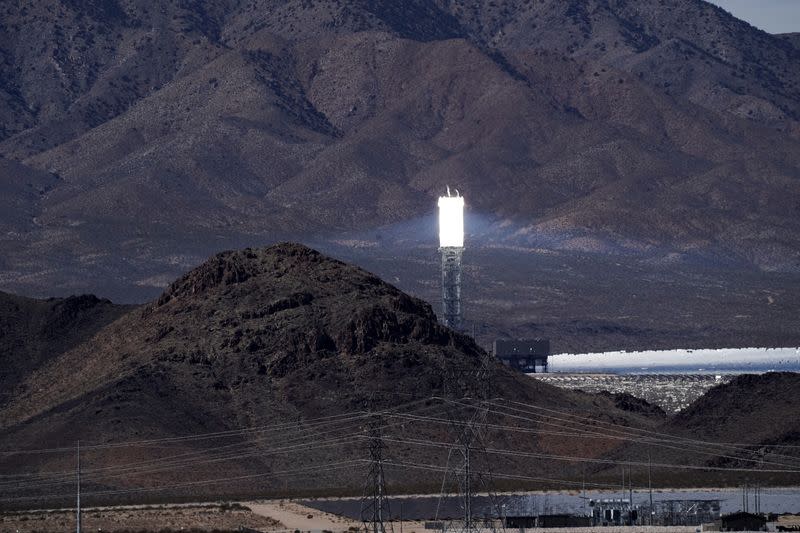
{"x":451,"y":221}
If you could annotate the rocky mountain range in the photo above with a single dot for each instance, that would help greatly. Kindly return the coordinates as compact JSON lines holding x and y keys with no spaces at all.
{"x":139,"y":137}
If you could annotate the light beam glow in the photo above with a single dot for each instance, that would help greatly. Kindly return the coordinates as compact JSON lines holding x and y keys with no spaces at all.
{"x":451,"y":221}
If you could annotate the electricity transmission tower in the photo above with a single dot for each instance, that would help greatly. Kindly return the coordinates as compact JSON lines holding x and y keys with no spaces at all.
{"x":470,"y":469}
{"x":375,"y":512}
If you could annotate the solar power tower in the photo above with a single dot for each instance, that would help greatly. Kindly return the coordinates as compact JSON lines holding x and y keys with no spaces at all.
{"x":451,"y":246}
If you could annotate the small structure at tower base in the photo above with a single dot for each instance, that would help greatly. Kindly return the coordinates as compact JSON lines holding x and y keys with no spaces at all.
{"x":526,"y":355}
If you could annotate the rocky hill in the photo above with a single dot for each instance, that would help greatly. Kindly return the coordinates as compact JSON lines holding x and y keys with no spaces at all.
{"x":742,"y":431}
{"x":766,"y":405}
{"x":35,"y":332}
{"x":151,"y":133}
{"x":255,"y":374}
{"x":273,"y":320}
{"x":227,"y":375}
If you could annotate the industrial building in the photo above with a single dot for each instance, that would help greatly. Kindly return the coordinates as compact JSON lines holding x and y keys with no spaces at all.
{"x":684,"y":512}
{"x":671,"y":512}
{"x":525,"y":355}
{"x":614,"y":512}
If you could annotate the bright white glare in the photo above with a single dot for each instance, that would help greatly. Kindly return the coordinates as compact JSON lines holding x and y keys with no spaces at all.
{"x":684,"y":360}
{"x":451,"y":221}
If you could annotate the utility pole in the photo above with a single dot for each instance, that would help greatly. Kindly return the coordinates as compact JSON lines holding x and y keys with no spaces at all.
{"x":583,"y":488}
{"x":622,"y":499}
{"x":755,"y":498}
{"x":758,"y":498}
{"x":630,"y":494}
{"x":744,"y":498}
{"x":650,"y":484}
{"x":79,"y":489}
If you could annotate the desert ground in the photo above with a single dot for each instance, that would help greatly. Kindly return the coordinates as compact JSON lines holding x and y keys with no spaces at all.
{"x":267,"y":516}
{"x":162,"y":518}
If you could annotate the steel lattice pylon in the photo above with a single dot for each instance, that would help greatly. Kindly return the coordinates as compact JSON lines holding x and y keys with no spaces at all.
{"x":375,"y":511}
{"x":470,"y":473}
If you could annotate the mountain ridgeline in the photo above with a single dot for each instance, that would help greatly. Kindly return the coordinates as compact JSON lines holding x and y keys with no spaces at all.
{"x":138,"y":137}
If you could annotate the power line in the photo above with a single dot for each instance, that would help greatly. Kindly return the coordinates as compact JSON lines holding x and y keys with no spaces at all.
{"x":501,"y":475}
{"x":345,"y":429}
{"x":698,"y":442}
{"x":313,"y":469}
{"x":573,"y":458}
{"x":182,"y":458}
{"x":303,"y":426}
{"x":200,"y":436}
{"x":630,"y":434}
{"x":301,"y":442}
{"x":182,"y":464}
